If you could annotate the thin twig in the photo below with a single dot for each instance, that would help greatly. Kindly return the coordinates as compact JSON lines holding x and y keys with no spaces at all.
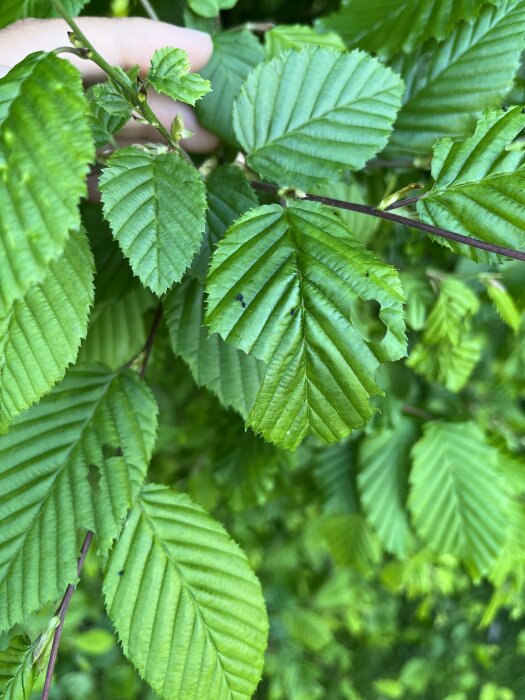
{"x":419,"y":412}
{"x":148,"y":346}
{"x":148,"y":9}
{"x":388,"y":216}
{"x":62,"y":612}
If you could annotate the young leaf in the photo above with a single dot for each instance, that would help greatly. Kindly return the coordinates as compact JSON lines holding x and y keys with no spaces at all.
{"x":229,"y":196}
{"x":388,"y":26}
{"x":103,"y":124}
{"x":284,"y":285}
{"x":504,"y":303}
{"x":23,"y":661}
{"x":41,"y":334}
{"x":382,"y":481}
{"x":478,"y":188}
{"x":210,"y":8}
{"x":199,"y":625}
{"x":156,"y":206}
{"x":44,"y":160}
{"x":297,"y":36}
{"x":230,"y":373}
{"x":457,"y":498}
{"x":301,"y":99}
{"x":235,"y":54}
{"x":110,"y":98}
{"x":450,"y":85}
{"x":448,"y":351}
{"x":351,"y":541}
{"x":170,"y":74}
{"x":75,"y":460}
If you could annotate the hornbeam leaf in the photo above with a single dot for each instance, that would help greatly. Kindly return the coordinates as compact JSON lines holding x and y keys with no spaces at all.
{"x":287,"y":284}
{"x":44,"y":160}
{"x":298,"y":36}
{"x":382,"y":482}
{"x":230,"y":373}
{"x":503,"y":303}
{"x":457,"y":498}
{"x":23,"y":661}
{"x":170,"y":74}
{"x":74,"y":461}
{"x":387,"y":26}
{"x":478,"y":184}
{"x":199,"y":625}
{"x":311,"y":114}
{"x":210,"y":8}
{"x":450,"y":85}
{"x":41,"y":334}
{"x":156,"y":206}
{"x":235,"y":54}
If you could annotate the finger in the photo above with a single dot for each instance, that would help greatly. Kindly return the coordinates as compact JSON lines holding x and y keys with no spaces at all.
{"x":166,"y":110}
{"x":124,"y":41}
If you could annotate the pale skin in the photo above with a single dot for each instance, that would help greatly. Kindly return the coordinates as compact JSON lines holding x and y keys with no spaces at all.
{"x":125,"y":42}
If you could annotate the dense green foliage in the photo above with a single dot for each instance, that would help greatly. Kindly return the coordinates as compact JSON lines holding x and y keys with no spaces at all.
{"x":293,"y":430}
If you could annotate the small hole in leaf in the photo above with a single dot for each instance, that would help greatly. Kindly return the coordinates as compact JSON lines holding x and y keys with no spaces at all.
{"x":365,"y":317}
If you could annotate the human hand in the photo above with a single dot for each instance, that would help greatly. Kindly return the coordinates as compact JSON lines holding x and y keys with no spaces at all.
{"x":125,"y":42}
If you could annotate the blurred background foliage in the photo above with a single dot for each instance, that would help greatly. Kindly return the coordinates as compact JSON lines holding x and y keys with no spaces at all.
{"x":350,"y":619}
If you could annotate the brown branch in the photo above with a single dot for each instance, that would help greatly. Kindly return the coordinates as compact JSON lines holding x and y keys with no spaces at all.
{"x":148,"y":346}
{"x":404,"y":202}
{"x":62,"y":612}
{"x":404,"y":221}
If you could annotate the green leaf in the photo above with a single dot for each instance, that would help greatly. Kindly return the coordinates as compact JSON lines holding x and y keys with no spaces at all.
{"x":297,"y":36}
{"x":478,"y":188}
{"x":419,"y":298}
{"x":199,"y":625}
{"x":210,"y":8}
{"x":308,"y":115}
{"x":11,"y":10}
{"x":284,"y":284}
{"x":457,"y":498}
{"x":351,"y":541}
{"x":111,"y":99}
{"x":234,"y":56}
{"x":23,"y":661}
{"x":103,"y":124}
{"x":41,"y":334}
{"x":156,"y":206}
{"x":117,"y":330}
{"x":382,"y":481}
{"x":448,"y":351}
{"x":74,"y":461}
{"x":450,"y":85}
{"x":170,"y":74}
{"x":44,"y":160}
{"x":503,"y":303}
{"x":232,"y":375}
{"x":334,"y":473}
{"x":229,"y":196}
{"x":388,"y":26}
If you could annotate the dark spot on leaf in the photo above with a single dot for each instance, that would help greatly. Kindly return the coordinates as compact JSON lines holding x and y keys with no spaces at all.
{"x":367,"y":273}
{"x":121,"y":572}
{"x":240,"y":299}
{"x":292,"y":312}
{"x":504,"y":108}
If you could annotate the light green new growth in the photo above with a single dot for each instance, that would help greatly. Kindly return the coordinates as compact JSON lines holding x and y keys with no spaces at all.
{"x":199,"y":628}
{"x":298,"y":36}
{"x":210,"y":8}
{"x":170,"y":74}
